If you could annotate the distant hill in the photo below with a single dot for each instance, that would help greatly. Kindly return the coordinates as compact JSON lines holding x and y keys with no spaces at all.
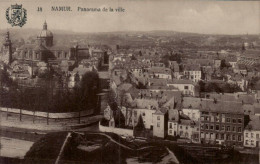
{"x":138,"y":38}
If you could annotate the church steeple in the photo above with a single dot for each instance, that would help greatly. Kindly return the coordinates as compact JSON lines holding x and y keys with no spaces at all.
{"x":45,"y":25}
{"x":7,"y":49}
{"x":7,"y":38}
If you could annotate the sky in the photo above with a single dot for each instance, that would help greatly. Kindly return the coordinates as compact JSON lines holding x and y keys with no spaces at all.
{"x":208,"y":17}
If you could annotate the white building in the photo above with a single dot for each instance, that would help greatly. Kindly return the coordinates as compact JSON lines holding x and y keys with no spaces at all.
{"x":193,"y":72}
{"x":252,"y":132}
{"x":186,"y":86}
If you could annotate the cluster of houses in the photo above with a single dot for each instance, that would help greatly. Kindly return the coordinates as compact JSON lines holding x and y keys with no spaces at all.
{"x":28,"y":63}
{"x":166,"y":100}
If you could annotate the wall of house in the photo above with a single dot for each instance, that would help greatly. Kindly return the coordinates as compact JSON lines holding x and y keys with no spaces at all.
{"x":190,"y":90}
{"x":172,"y":128}
{"x":147,"y":115}
{"x":158,"y":125}
{"x":251,"y":138}
{"x":119,"y":131}
{"x":185,"y":131}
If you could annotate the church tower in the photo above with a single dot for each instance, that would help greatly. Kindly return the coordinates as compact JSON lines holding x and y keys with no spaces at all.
{"x":7,"y":49}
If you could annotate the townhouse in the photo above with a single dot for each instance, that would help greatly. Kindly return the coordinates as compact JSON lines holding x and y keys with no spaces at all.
{"x":221,"y":122}
{"x":186,"y":86}
{"x":252,"y":132}
{"x":193,"y":72}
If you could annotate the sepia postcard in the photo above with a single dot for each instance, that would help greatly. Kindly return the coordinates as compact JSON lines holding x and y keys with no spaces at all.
{"x":129,"y":82}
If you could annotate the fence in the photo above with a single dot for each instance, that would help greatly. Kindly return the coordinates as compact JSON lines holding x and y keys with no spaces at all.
{"x":49,"y":115}
{"x":119,"y":131}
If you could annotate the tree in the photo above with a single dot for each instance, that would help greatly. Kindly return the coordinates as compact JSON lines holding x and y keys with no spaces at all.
{"x":140,"y":124}
{"x":133,"y":57}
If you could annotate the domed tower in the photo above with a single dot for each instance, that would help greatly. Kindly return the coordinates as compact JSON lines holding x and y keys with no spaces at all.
{"x":45,"y":37}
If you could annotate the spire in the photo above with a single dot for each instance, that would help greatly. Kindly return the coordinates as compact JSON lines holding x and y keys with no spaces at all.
{"x":7,"y":36}
{"x":45,"y":25}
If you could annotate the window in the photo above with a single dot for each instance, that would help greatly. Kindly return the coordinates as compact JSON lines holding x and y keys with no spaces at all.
{"x":211,"y":127}
{"x":202,"y":118}
{"x":212,"y":118}
{"x":158,"y":117}
{"x":233,"y":128}
{"x":228,"y":137}
{"x":135,"y":113}
{"x":246,"y":134}
{"x":234,"y":120}
{"x":211,"y":135}
{"x":180,"y":127}
{"x":186,"y":87}
{"x":217,"y":127}
{"x":202,"y":135}
{"x":239,"y":138}
{"x":206,"y":126}
{"x":257,"y":136}
{"x":223,"y":127}
{"x":201,"y":126}
{"x":222,"y":136}
{"x":228,"y":128}
{"x":252,"y":142}
{"x":170,"y":125}
{"x":170,"y":131}
{"x":239,"y":120}
{"x":246,"y":142}
{"x":252,"y":135}
{"x":143,"y":114}
{"x":181,"y":133}
{"x":186,"y":127}
{"x":233,"y":137}
{"x":158,"y":124}
{"x":239,"y":129}
{"x":228,"y":119}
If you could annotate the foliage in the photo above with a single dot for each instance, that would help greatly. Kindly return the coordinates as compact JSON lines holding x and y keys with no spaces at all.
{"x":254,"y":83}
{"x":141,"y":85}
{"x":140,"y":124}
{"x":218,"y":87}
{"x":119,"y":118}
{"x":223,"y":64}
{"x":171,"y":57}
{"x":50,"y":98}
{"x":133,"y":57}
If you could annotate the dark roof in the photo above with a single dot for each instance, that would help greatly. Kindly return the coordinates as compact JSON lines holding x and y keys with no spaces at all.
{"x":221,"y":106}
{"x":191,"y":102}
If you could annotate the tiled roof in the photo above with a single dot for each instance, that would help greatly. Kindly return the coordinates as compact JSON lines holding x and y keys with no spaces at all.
{"x":221,"y":106}
{"x":180,"y":81}
{"x":192,"y":67}
{"x":191,"y":102}
{"x":145,"y":103}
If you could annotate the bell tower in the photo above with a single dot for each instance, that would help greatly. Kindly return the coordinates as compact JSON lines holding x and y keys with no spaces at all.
{"x":7,"y":49}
